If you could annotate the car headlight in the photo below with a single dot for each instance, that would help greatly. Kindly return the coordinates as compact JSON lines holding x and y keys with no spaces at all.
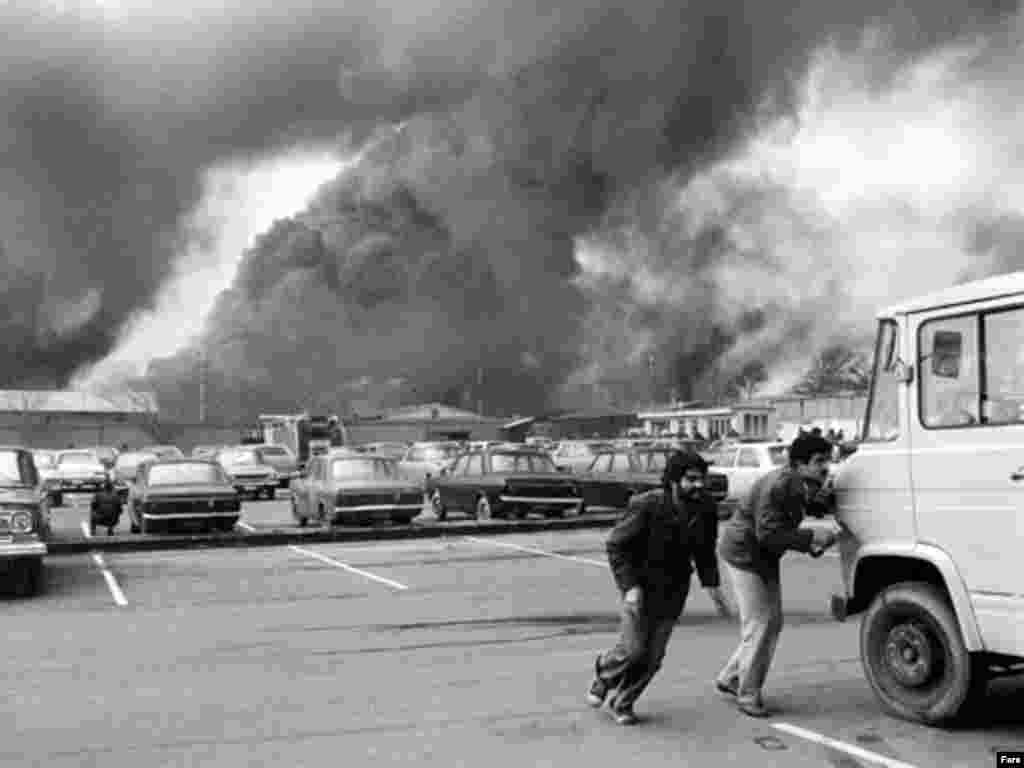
{"x":21,"y":522}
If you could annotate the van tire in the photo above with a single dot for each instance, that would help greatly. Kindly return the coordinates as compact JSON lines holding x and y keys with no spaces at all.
{"x":914,"y":656}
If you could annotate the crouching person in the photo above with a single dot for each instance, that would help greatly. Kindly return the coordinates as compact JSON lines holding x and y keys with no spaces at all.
{"x":106,"y":509}
{"x":650,"y":552}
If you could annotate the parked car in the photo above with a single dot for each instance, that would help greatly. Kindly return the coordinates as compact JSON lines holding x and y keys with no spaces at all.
{"x":164,"y":451}
{"x":78,"y":470}
{"x":24,"y":520}
{"x":351,"y":487}
{"x":46,"y":467}
{"x":499,"y":482}
{"x":282,"y":460}
{"x":424,"y":463}
{"x":126,"y":469}
{"x":249,"y":472}
{"x":182,"y":490}
{"x":614,"y":476}
{"x":744,"y":463}
{"x":578,"y":455}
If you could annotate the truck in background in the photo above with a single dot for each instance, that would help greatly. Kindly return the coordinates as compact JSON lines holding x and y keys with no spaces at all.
{"x":304,"y":435}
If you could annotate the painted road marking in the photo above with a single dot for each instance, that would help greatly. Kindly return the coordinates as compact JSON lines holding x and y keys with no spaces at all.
{"x":863,"y":754}
{"x":245,"y":526}
{"x":108,"y":576}
{"x":346,"y":567}
{"x":541,"y":552}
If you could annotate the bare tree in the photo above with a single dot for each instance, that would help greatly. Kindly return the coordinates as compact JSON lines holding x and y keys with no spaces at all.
{"x":835,"y":369}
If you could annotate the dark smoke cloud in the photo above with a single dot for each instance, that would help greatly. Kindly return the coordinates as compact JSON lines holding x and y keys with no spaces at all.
{"x":450,"y":247}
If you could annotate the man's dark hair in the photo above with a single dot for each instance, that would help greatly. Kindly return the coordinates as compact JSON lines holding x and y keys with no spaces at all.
{"x":805,"y":446}
{"x":679,"y":463}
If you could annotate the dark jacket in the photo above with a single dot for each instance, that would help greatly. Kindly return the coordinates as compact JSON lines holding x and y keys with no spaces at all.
{"x":767,"y":525}
{"x":652,"y":547}
{"x":106,"y":507}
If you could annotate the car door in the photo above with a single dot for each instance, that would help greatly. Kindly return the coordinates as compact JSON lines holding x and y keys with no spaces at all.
{"x":967,"y":457}
{"x":470,"y":481}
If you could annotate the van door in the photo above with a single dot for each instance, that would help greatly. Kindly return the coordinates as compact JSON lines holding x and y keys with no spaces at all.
{"x":967,"y":458}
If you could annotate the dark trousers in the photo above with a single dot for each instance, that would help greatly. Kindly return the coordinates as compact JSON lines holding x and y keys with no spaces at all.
{"x":627,"y":669}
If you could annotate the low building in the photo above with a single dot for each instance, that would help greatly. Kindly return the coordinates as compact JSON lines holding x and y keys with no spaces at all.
{"x":752,"y":420}
{"x":64,"y":418}
{"x":572,"y":425}
{"x":429,"y":421}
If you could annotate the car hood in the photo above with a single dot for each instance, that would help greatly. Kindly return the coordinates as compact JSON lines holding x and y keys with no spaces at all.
{"x":192,"y":489}
{"x":20,"y":494}
{"x":376,"y":486}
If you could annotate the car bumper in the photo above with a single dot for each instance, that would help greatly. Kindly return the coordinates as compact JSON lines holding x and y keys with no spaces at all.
{"x":9,"y":549}
{"x":380,"y":508}
{"x":77,"y":485}
{"x":256,"y":486}
{"x":190,"y":515}
{"x":544,"y":501}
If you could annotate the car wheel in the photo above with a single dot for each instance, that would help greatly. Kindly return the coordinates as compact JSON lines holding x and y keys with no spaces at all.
{"x":440,"y":510}
{"x":28,"y":577}
{"x":914,"y":656}
{"x":484,"y":510}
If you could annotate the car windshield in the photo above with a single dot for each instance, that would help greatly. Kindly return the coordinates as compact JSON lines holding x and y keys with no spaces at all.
{"x":521,"y":462}
{"x":182,"y":474}
{"x":12,"y":470}
{"x":240,"y":457}
{"x":274,"y":451}
{"x":78,"y":457}
{"x":363,"y":468}
{"x":779,"y":455}
{"x":44,"y":459}
{"x":432,"y":452}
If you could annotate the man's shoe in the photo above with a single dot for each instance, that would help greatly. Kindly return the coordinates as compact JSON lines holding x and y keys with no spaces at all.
{"x":626,"y":716}
{"x":598,"y":689}
{"x":753,"y":708}
{"x":726,"y":689}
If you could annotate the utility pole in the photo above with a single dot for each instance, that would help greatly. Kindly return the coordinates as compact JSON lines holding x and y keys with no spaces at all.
{"x":202,"y":383}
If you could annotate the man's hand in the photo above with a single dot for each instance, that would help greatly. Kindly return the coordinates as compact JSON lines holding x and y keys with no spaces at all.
{"x":634,"y":596}
{"x":721,"y":603}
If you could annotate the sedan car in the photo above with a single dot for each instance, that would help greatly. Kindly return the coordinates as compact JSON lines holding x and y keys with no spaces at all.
{"x":126,"y":469}
{"x":424,"y":463}
{"x":744,"y":464}
{"x":193,"y":491}
{"x":578,"y":455}
{"x":615,"y":476}
{"x":499,"y":482}
{"x":78,"y":470}
{"x":349,"y":487}
{"x":249,"y":471}
{"x":282,"y":460}
{"x":24,"y":520}
{"x":394,"y":451}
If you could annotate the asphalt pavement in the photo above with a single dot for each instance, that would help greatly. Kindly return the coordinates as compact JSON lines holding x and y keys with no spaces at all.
{"x":447,"y":652}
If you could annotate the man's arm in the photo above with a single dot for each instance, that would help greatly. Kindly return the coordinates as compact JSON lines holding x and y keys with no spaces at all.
{"x":624,"y":545}
{"x":777,"y":513}
{"x":704,"y":554}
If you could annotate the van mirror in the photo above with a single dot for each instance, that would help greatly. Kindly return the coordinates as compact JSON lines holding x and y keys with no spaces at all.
{"x":947,"y":347}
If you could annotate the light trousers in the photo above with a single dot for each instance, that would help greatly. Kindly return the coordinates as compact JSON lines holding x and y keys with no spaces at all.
{"x":760,"y":607}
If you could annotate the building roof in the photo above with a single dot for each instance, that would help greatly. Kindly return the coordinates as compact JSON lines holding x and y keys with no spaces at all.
{"x":977,"y":290}
{"x":67,"y":401}
{"x":430,"y":412}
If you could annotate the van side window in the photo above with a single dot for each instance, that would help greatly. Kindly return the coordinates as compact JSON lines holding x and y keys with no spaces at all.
{"x":1004,"y":367}
{"x":950,"y":388}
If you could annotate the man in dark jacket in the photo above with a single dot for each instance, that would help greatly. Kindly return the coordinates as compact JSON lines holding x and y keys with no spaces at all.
{"x":765,"y":527}
{"x":106,"y":509}
{"x":650,"y":552}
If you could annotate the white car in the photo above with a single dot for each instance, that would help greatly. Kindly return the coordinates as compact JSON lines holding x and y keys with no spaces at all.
{"x":425,"y":462}
{"x":744,"y":464}
{"x":79,"y":470}
{"x":248,"y":471}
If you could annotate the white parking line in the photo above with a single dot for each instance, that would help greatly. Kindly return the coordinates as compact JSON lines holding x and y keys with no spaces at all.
{"x":245,"y":526}
{"x":346,"y":567}
{"x":542,"y":552}
{"x":108,"y":576}
{"x":863,"y":754}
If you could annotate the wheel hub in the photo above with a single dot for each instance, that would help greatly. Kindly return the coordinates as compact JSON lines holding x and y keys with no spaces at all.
{"x":909,"y":655}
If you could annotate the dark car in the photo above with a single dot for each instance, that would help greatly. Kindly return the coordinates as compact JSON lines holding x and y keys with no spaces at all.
{"x":24,"y":519}
{"x":191,"y":491}
{"x":350,"y":487}
{"x":614,"y":476}
{"x":502,"y":482}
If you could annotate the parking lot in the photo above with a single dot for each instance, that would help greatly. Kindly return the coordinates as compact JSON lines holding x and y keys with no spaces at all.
{"x":449,"y":651}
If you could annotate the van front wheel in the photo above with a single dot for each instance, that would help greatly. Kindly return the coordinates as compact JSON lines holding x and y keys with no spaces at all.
{"x":914,"y":656}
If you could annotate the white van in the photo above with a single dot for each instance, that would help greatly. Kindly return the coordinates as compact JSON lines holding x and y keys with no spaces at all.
{"x":932,"y":503}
